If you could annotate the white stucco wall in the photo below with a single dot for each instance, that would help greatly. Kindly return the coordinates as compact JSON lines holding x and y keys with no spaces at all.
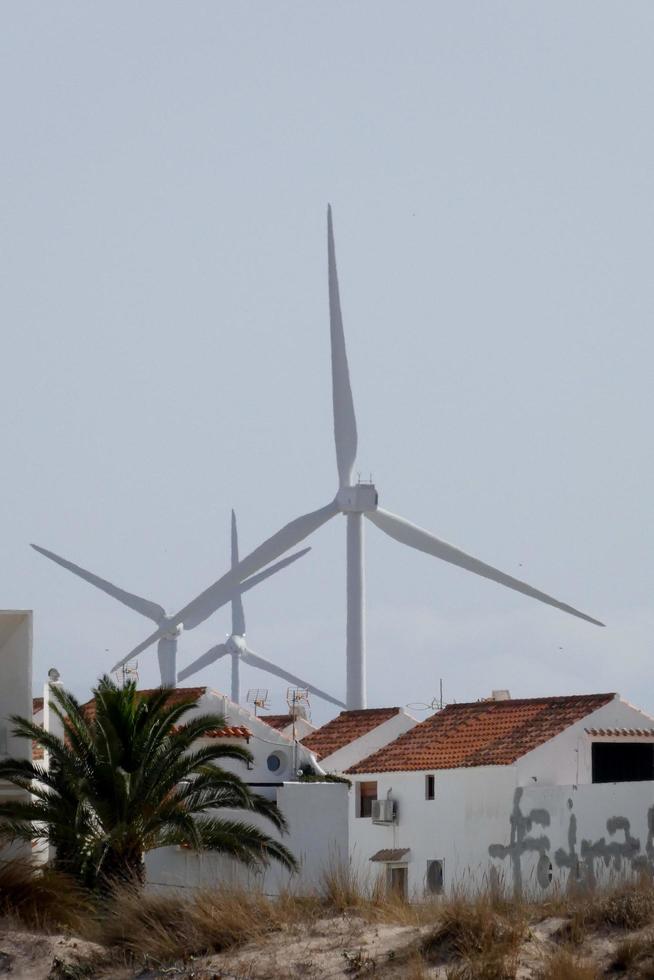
{"x":15,"y":689}
{"x":15,"y":678}
{"x":318,"y":837}
{"x":361,"y":748}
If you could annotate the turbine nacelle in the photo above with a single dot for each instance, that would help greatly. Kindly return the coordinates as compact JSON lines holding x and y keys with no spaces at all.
{"x":236,"y":644}
{"x":359,"y":499}
{"x":173,"y":631}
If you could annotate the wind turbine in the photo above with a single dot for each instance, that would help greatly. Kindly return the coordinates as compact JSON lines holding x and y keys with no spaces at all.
{"x":238,"y":650}
{"x":354,"y":501}
{"x":169,"y":630}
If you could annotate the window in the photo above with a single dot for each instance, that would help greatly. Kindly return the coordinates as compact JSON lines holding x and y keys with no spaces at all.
{"x":274,"y":761}
{"x":622,"y":762}
{"x":430,"y":787}
{"x":366,"y":794}
{"x":434,"y":878}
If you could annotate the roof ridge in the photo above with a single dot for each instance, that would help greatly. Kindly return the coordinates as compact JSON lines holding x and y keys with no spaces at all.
{"x":544,"y":699}
{"x":482,"y":733}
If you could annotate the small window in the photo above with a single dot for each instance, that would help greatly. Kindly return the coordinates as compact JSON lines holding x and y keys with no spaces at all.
{"x":622,"y":762}
{"x":274,"y":762}
{"x":434,"y":878}
{"x":430,"y":787}
{"x":366,"y":795}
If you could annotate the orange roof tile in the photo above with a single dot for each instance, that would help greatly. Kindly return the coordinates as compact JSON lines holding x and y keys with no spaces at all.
{"x":277,"y":721}
{"x":621,"y":732}
{"x":37,"y":705}
{"x":345,"y":728}
{"x":482,"y":733}
{"x":229,"y":731}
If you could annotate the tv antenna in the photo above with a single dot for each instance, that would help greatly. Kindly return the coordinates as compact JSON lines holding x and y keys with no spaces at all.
{"x":436,"y":704}
{"x":258,"y":698}
{"x":128,"y":672}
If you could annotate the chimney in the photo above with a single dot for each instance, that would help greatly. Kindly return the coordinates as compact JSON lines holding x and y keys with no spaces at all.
{"x":501,"y":694}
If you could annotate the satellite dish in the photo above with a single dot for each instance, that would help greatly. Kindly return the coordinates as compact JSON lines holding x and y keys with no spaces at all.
{"x":53,"y":675}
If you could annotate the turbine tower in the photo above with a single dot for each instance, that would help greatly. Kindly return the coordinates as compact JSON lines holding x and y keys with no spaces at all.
{"x":169,"y":631}
{"x":355,"y":501}
{"x":237,"y":648}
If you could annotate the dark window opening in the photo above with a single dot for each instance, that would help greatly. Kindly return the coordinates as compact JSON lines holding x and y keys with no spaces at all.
{"x":367,"y":795}
{"x":430,"y":787}
{"x":622,"y":762}
{"x":434,"y":880}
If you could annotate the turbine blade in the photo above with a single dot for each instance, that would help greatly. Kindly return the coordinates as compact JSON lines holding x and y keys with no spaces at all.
{"x":144,"y":606}
{"x":416,"y":537}
{"x":345,"y":426}
{"x":272,"y":570}
{"x":221,"y":591}
{"x":256,"y":661}
{"x":210,"y":657}
{"x":238,"y":614}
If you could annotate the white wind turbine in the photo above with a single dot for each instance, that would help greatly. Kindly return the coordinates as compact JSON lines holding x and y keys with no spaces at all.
{"x":354,"y":501}
{"x":238,"y":649}
{"x":169,"y":630}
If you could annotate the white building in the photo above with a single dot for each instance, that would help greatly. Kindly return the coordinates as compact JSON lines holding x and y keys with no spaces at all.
{"x":521,"y":792}
{"x":15,"y":677}
{"x":353,"y":735}
{"x":15,"y":685}
{"x":316,"y":812}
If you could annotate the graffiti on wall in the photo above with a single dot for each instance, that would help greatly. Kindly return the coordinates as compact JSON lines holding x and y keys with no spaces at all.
{"x":617,"y":851}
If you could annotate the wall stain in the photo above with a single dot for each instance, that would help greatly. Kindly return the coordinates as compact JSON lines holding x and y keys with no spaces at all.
{"x":581,"y":864}
{"x":521,"y":843}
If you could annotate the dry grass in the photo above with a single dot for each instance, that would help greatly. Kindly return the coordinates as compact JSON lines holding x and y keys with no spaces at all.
{"x":470,"y":938}
{"x":172,"y":927}
{"x":626,"y":906}
{"x":481,"y":937}
{"x":564,"y":965}
{"x":41,"y":898}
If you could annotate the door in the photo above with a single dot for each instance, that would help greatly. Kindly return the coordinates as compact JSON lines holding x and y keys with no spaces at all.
{"x":398,"y":880}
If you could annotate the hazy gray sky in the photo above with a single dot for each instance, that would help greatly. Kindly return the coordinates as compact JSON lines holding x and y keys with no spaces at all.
{"x":164,"y":173}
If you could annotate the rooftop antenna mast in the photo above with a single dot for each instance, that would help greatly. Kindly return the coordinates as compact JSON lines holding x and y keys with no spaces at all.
{"x":436,"y":703}
{"x":128,"y":672}
{"x":258,"y":698}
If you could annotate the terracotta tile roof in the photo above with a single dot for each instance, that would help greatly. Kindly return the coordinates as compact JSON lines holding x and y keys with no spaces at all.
{"x":391,"y":854}
{"x":229,"y":731}
{"x":37,"y":705}
{"x":345,"y":728}
{"x":483,"y":733}
{"x":279,"y":722}
{"x":621,"y":732}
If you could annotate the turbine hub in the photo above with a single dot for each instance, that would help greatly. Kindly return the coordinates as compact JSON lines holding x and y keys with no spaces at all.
{"x":235,"y":644}
{"x":172,"y":631}
{"x":359,"y":499}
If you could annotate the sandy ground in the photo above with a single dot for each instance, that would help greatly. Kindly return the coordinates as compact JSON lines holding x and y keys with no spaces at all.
{"x":343,"y":947}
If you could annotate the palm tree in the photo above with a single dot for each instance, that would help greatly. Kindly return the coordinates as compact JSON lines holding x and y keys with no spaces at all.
{"x":128,"y":777}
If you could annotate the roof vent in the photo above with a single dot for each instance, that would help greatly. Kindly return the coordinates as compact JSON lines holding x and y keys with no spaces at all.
{"x":501,"y":695}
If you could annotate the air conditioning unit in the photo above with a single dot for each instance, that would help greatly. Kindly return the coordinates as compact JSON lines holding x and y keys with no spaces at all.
{"x":384,"y":811}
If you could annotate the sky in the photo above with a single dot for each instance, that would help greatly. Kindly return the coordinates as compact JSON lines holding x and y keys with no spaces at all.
{"x":164,"y":176}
